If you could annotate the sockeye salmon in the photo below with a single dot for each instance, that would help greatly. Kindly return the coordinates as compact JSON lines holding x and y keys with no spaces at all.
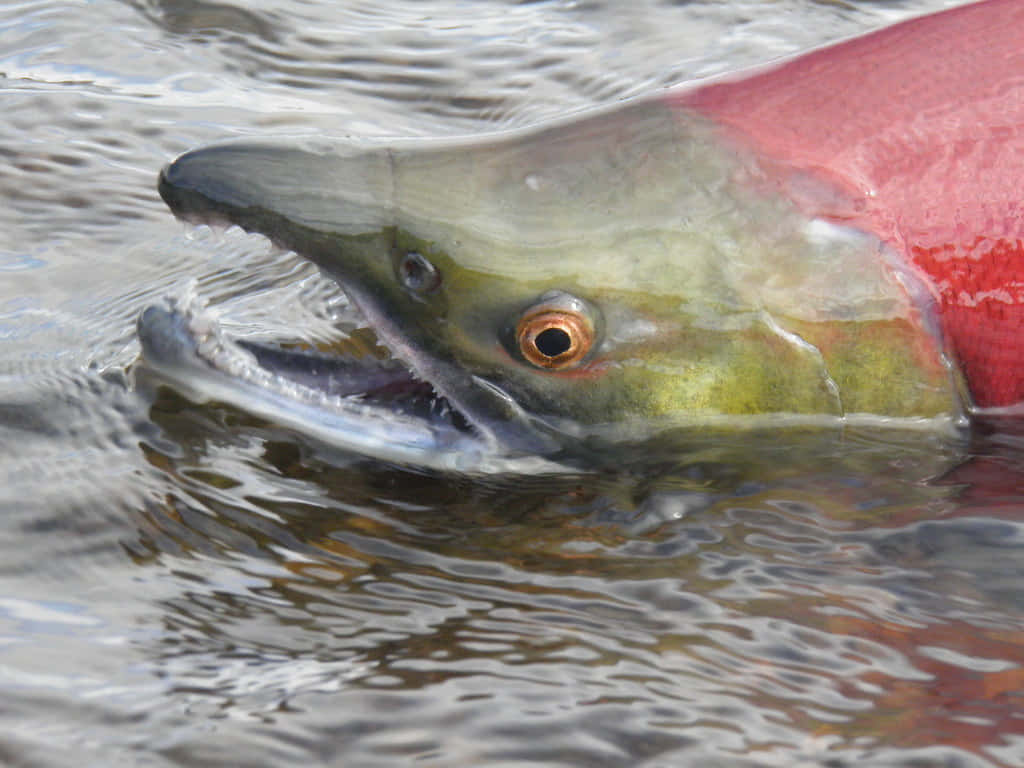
{"x":834,"y":239}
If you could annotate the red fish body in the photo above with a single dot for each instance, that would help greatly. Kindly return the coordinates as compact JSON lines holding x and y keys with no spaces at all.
{"x":917,"y":130}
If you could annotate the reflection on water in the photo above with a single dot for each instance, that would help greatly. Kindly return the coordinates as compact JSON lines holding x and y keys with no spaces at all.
{"x":188,"y":585}
{"x":701,"y":610}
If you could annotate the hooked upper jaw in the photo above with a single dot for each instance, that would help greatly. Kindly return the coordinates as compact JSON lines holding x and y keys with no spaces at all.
{"x":332,"y":189}
{"x":332,"y":205}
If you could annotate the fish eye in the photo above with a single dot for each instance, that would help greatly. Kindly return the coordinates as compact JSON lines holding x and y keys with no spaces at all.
{"x":556,"y":334}
{"x":417,"y":273}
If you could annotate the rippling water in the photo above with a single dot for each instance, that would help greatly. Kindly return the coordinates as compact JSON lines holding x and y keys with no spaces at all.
{"x":187,"y":585}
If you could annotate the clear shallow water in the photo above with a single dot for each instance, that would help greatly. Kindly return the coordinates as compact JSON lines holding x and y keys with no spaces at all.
{"x":184,"y":585}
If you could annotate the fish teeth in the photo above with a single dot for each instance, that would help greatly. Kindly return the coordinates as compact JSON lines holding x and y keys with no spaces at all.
{"x":222,"y":353}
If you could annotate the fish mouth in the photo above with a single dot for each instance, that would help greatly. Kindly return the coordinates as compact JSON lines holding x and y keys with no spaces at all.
{"x":408,"y":409}
{"x":366,"y":405}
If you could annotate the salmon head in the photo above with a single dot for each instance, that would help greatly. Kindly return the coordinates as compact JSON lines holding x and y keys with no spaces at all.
{"x":599,"y":280}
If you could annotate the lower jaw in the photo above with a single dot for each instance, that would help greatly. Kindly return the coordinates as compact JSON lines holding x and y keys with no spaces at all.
{"x":369,"y":407}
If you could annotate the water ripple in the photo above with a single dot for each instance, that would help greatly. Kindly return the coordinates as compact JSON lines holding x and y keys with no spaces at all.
{"x":188,"y":585}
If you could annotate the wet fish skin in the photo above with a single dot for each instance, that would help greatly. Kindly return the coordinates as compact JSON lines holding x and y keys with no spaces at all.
{"x":805,"y":244}
{"x":712,"y":298}
{"x":919,"y":128}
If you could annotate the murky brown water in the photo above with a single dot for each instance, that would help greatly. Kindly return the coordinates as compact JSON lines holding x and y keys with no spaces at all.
{"x":185,"y":585}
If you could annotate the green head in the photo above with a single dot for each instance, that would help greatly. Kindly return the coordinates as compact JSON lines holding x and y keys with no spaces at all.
{"x":617,"y":274}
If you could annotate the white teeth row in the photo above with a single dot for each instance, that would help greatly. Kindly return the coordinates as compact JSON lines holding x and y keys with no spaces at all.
{"x":226,"y":356}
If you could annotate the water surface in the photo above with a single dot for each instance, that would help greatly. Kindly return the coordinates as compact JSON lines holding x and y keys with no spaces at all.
{"x":187,"y":585}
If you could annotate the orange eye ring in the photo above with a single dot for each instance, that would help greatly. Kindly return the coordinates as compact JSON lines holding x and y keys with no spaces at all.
{"x":554,"y":339}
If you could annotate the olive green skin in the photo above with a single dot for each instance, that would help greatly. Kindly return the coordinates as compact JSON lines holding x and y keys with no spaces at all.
{"x":713,"y":297}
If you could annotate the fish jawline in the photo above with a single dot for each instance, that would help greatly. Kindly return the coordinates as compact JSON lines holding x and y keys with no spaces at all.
{"x":183,"y":343}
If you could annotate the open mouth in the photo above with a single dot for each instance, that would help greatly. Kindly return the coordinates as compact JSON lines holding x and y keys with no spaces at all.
{"x":335,"y":379}
{"x":183,"y":337}
{"x":376,"y":407}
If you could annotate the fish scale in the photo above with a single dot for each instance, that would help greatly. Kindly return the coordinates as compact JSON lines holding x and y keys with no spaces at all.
{"x":919,"y":128}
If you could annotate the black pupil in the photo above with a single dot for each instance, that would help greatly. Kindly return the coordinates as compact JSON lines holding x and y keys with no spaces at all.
{"x":552,"y":342}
